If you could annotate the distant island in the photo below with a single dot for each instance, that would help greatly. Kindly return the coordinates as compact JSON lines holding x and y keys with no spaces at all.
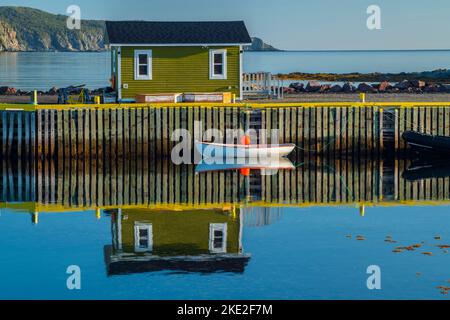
{"x":259,"y":45}
{"x":28,"y":29}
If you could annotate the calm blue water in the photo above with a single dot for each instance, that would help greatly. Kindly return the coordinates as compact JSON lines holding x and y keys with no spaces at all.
{"x":304,"y":255}
{"x":347,"y":61}
{"x":42,"y":71}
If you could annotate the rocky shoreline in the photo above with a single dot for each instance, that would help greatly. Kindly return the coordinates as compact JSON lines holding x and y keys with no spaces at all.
{"x":11,"y":91}
{"x":405,"y":86}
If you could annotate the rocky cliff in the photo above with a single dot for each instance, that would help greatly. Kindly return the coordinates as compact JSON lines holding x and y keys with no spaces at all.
{"x":26,"y":29}
{"x":8,"y":38}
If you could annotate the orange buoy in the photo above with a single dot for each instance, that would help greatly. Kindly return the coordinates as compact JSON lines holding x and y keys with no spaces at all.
{"x":245,"y":172}
{"x":245,"y":140}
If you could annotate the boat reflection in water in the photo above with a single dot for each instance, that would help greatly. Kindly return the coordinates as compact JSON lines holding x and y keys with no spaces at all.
{"x":192,"y":240}
{"x":267,"y":166}
{"x":427,"y":168}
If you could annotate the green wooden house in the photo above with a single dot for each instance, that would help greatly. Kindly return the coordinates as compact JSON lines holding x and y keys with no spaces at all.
{"x":176,"y":57}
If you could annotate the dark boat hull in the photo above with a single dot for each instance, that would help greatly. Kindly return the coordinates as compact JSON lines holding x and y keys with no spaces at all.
{"x":428,"y":144}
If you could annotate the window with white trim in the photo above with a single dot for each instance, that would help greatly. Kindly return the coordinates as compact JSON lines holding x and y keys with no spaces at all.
{"x":218,"y":64}
{"x":143,"y":65}
{"x":143,"y":237}
{"x":218,"y":238}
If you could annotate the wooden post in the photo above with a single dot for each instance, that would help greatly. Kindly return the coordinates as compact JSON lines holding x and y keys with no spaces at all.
{"x":35,"y":98}
{"x":381,"y":131}
{"x":5,"y":131}
{"x":396,"y":130}
{"x":362,"y":97}
{"x":35,"y":218}
{"x":19,"y":134}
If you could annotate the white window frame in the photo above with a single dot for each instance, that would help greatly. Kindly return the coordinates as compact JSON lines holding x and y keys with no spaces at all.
{"x":218,"y":227}
{"x":149,"y":75}
{"x":137,"y":239}
{"x":212,"y":75}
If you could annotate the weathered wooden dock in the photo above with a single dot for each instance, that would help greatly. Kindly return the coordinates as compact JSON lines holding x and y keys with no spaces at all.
{"x":102,"y":131}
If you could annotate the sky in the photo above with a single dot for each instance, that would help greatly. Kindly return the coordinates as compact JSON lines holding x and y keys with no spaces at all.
{"x":289,"y":24}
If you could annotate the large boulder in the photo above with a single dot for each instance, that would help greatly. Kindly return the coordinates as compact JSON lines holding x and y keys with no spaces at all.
{"x":324,"y":88}
{"x":336,"y":88}
{"x":364,"y":87}
{"x":442,"y":88}
{"x":297,"y":86}
{"x":313,"y":86}
{"x":403,"y":85}
{"x":348,"y":87}
{"x":435,"y":88}
{"x":430,"y":88}
{"x":289,"y":90}
{"x":8,"y":90}
{"x":53,"y":91}
{"x":384,"y":86}
{"x":417,"y":84}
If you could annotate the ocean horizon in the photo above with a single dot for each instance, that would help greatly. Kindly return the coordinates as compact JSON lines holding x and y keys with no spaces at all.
{"x":44,"y":70}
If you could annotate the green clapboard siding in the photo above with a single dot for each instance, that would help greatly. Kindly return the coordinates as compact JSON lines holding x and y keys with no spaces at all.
{"x":179,"y":70}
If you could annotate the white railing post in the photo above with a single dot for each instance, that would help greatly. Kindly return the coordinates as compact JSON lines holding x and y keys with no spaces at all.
{"x":263,"y":83}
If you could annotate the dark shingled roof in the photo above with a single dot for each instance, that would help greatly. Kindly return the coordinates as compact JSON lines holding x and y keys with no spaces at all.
{"x":148,"y":32}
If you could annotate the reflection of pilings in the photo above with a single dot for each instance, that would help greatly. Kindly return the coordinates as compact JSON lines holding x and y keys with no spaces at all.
{"x":133,"y":182}
{"x":18,"y":133}
{"x":258,"y":217}
{"x":121,"y":182}
{"x":18,"y":181}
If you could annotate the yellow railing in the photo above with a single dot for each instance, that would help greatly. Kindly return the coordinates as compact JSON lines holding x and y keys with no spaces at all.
{"x":253,"y":105}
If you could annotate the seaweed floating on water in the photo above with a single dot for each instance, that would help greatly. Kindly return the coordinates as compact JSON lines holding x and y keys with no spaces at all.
{"x":427,"y":253}
{"x":444,"y":289}
{"x":408,"y":248}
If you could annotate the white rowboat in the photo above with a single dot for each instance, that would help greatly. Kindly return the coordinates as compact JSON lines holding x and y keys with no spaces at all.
{"x":218,"y":150}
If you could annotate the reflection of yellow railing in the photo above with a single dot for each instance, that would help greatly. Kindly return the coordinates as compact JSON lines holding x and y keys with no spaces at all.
{"x":230,"y":207}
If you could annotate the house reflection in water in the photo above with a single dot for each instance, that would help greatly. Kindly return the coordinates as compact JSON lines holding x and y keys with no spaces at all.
{"x":193,"y":240}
